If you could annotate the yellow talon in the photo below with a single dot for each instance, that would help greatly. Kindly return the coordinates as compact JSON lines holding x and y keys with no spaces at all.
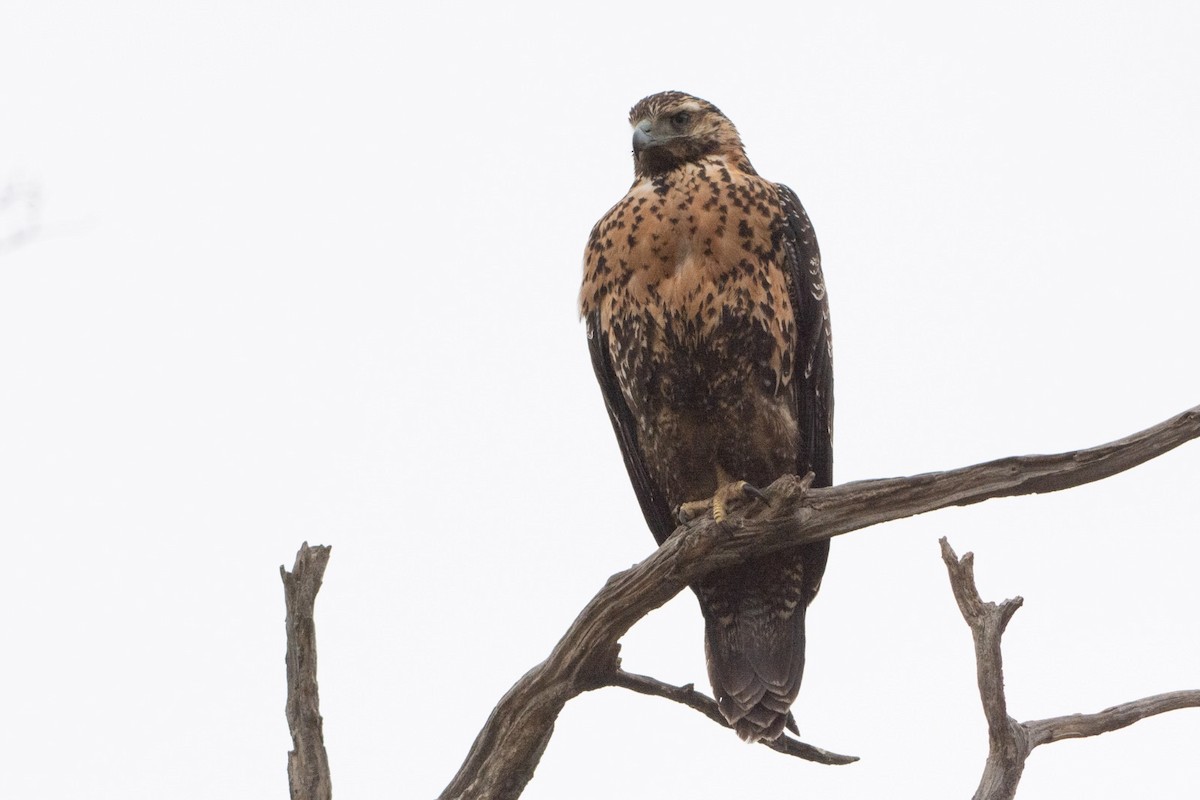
{"x":726,"y":494}
{"x":722,"y":497}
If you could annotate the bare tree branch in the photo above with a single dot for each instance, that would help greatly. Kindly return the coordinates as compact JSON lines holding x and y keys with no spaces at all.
{"x":1078,"y":726}
{"x":507,"y":749}
{"x":688,"y":696}
{"x":1010,"y":742}
{"x":308,"y":764}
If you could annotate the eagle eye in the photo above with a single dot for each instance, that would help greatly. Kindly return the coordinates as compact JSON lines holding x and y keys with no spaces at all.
{"x":681,"y":118}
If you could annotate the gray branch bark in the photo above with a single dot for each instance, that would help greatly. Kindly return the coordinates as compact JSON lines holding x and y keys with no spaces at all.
{"x":688,"y":696}
{"x":1010,"y":742}
{"x":1078,"y":726}
{"x":507,"y":750}
{"x":308,"y":764}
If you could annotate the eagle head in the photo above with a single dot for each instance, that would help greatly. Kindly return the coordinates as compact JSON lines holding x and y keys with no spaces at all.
{"x":671,"y":129}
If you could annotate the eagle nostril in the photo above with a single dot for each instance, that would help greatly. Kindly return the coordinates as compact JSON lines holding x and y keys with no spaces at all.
{"x":642,"y":138}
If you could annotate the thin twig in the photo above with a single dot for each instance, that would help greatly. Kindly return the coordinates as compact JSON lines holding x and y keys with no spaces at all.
{"x":1078,"y":726}
{"x":688,"y":696}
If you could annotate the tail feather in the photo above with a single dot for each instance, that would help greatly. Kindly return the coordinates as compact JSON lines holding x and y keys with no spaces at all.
{"x":754,"y":641}
{"x":754,"y":695}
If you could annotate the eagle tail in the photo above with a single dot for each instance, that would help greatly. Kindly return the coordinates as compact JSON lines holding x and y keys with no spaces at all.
{"x":756,"y":679}
{"x":754,"y":643}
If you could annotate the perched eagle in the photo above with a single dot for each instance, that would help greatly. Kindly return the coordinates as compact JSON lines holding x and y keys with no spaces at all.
{"x":709,"y":332}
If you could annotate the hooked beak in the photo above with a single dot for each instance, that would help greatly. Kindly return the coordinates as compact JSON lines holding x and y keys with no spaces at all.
{"x":642,"y":138}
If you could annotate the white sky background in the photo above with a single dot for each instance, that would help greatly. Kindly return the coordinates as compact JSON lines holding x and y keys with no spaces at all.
{"x":309,"y":272}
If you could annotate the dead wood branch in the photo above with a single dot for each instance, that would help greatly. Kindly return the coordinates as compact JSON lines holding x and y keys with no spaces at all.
{"x":1078,"y":726}
{"x":506,"y":751}
{"x":688,"y":696}
{"x":1010,"y":742}
{"x":308,"y":765}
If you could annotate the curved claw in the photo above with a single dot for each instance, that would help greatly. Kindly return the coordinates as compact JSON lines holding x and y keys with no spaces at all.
{"x":732,"y":491}
{"x":753,"y":491}
{"x":719,"y":503}
{"x":686,"y":512}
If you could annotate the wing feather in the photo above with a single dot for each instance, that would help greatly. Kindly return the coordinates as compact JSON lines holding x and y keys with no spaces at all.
{"x":812,"y":373}
{"x":813,"y":370}
{"x":654,"y":504}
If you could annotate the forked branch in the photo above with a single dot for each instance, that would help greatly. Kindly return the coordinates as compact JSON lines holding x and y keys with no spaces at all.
{"x":507,"y":749}
{"x":1010,"y":742}
{"x":688,"y":696}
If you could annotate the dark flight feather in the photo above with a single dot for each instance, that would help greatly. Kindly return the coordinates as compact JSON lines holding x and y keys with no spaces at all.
{"x":654,"y":506}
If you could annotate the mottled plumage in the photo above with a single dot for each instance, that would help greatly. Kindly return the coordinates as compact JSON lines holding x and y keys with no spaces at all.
{"x":709,"y":332}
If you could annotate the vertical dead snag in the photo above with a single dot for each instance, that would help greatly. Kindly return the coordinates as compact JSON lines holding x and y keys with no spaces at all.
{"x":308,"y":764}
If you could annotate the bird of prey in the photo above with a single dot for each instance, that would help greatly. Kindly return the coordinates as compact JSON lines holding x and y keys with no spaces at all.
{"x":708,"y":327}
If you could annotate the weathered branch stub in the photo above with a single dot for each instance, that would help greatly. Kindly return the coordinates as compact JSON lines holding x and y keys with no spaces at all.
{"x":308,"y":764}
